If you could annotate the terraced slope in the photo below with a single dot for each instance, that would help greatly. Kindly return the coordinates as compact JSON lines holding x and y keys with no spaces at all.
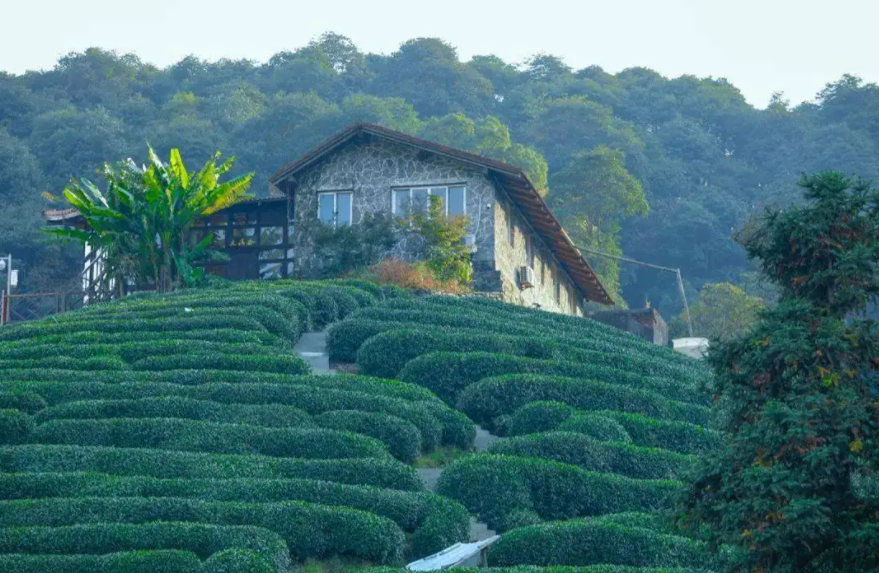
{"x":599,"y":426}
{"x":181,"y":433}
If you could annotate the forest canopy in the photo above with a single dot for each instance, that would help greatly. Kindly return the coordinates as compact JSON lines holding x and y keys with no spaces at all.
{"x":692,"y":158}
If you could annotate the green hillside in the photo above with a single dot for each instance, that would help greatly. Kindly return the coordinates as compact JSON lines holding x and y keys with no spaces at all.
{"x":182,"y":433}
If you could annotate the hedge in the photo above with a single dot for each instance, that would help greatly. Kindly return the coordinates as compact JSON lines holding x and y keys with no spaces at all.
{"x":237,"y":561}
{"x":437,"y":422}
{"x":449,"y":373}
{"x":676,"y":436}
{"x":385,"y":354}
{"x":400,"y":436}
{"x":201,"y":539}
{"x":579,"y":327}
{"x":345,"y":338}
{"x":437,"y":522}
{"x":129,"y":351}
{"x":196,"y":436}
{"x":86,"y":337}
{"x":508,"y":491}
{"x":540,"y":416}
{"x":66,"y":363}
{"x":164,"y":560}
{"x":28,"y":402}
{"x":602,"y":426}
{"x":15,"y":426}
{"x":279,"y":363}
{"x":386,"y":473}
{"x":583,"y":542}
{"x":46,"y":328}
{"x":268,"y":415}
{"x":310,"y":530}
{"x":595,"y":455}
{"x":503,"y":395}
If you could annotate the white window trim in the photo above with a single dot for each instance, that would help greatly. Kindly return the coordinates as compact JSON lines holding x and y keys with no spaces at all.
{"x":335,"y":195}
{"x":429,"y":193}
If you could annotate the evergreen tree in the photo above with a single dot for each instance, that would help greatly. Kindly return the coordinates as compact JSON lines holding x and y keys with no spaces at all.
{"x":794,"y":489}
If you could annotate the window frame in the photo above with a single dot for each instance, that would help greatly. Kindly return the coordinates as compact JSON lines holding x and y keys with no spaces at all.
{"x":430,"y":189}
{"x":335,"y":195}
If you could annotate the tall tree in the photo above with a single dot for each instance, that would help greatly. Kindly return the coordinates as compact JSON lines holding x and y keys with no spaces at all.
{"x":794,"y":488}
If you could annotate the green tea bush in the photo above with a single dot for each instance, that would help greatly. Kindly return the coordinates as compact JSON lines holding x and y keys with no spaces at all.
{"x":197,"y":436}
{"x":237,"y":561}
{"x":437,"y":422}
{"x":385,"y":473}
{"x":66,"y":363}
{"x":28,"y":402}
{"x":269,"y":415}
{"x":400,"y":436}
{"x":345,"y":338}
{"x":89,"y":337}
{"x":279,"y":363}
{"x":201,"y":539}
{"x":539,"y":416}
{"x":676,"y":436}
{"x":15,"y":426}
{"x":166,"y":561}
{"x":602,"y":427}
{"x":595,"y":455}
{"x":503,"y":395}
{"x":508,"y":491}
{"x":583,"y":542}
{"x":436,"y":522}
{"x":449,"y":373}
{"x":129,"y":351}
{"x":310,"y":530}
{"x":385,"y":354}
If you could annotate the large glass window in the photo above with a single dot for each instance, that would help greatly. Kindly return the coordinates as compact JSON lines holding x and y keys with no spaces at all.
{"x":335,"y":208}
{"x":408,"y":200}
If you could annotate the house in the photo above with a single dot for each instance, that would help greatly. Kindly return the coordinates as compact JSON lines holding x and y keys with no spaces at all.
{"x":521,"y":253}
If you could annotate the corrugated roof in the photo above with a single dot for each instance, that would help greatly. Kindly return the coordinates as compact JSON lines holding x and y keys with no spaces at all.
{"x":513,"y":179}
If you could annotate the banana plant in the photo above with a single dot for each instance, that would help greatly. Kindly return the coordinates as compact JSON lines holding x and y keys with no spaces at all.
{"x":142,"y":222}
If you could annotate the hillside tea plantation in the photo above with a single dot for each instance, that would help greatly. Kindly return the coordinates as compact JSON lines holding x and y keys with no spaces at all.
{"x":182,"y":433}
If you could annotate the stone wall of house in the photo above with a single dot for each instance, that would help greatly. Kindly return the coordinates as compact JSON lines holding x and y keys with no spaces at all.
{"x":371,"y":170}
{"x":509,"y":257}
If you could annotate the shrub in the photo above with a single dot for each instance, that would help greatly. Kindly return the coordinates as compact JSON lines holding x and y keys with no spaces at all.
{"x":601,"y":426}
{"x":387,"y":473}
{"x":282,"y":364}
{"x":203,"y":540}
{"x":66,"y":363}
{"x":437,"y":522}
{"x":269,"y":415}
{"x":130,"y":351}
{"x":166,"y":561}
{"x":385,"y":354}
{"x":197,"y":436}
{"x":507,"y":491}
{"x":449,"y":373}
{"x":15,"y":426}
{"x":503,"y":395}
{"x":86,"y":337}
{"x":345,"y":338}
{"x":539,"y":417}
{"x":676,"y":436}
{"x":436,"y":421}
{"x":27,"y":402}
{"x":582,"y":542}
{"x":401,"y":437}
{"x":595,"y":455}
{"x":310,"y":530}
{"x":237,"y":561}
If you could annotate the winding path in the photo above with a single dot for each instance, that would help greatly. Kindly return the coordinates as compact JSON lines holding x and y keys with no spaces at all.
{"x":312,"y":347}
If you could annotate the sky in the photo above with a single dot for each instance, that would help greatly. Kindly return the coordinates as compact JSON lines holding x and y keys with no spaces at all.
{"x":762,"y":47}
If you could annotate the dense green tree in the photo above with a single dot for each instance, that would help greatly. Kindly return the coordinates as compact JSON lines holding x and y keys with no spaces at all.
{"x":722,"y":311}
{"x":793,"y":490}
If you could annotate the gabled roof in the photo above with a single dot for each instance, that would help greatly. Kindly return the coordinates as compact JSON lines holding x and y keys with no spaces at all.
{"x":513,"y":179}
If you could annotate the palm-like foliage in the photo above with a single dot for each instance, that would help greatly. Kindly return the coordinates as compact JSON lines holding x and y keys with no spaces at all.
{"x":142,"y":222}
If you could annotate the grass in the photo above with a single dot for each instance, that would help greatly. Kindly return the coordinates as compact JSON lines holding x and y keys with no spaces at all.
{"x":440,"y":458}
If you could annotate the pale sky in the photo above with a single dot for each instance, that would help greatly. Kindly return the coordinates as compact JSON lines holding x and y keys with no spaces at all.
{"x":794,"y":46}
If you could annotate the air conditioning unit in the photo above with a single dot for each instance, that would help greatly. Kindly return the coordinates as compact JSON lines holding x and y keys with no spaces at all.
{"x":526,"y":277}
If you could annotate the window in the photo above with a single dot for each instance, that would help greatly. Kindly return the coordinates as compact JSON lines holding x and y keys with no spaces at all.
{"x":414,"y":199}
{"x":511,"y":228}
{"x":335,"y":208}
{"x":558,"y":287}
{"x":245,"y":237}
{"x":270,"y":270}
{"x":270,"y":236}
{"x":529,"y":252}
